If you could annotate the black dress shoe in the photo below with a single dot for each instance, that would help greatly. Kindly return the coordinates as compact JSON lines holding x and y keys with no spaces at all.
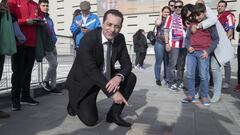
{"x":115,"y":118}
{"x":70,"y":110}
{"x":158,"y":82}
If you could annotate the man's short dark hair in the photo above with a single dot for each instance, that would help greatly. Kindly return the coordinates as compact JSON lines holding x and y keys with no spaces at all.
{"x":179,"y":1}
{"x":113,"y":12}
{"x":198,"y":9}
{"x":223,"y":1}
{"x":184,"y":13}
{"x":43,"y":1}
{"x":170,"y":2}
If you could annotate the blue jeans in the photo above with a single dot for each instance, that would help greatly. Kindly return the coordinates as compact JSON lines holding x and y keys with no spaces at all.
{"x":194,"y":59}
{"x":217,"y":76}
{"x":159,"y":56}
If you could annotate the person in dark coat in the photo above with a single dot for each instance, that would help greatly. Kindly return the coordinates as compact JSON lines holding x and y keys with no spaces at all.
{"x":140,"y":48}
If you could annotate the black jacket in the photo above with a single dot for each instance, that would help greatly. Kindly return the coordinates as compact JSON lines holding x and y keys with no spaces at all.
{"x":140,"y":45}
{"x":86,"y":71}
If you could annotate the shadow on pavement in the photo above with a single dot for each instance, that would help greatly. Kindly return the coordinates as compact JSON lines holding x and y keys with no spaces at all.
{"x":32,"y":120}
{"x":137,"y":100}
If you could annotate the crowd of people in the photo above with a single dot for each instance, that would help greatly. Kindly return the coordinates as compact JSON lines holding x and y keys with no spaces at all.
{"x":194,"y":35}
{"x":190,"y":35}
{"x":98,"y":47}
{"x":29,"y":17}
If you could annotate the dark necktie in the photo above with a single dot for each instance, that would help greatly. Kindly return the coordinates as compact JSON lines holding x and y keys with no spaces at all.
{"x":108,"y":60}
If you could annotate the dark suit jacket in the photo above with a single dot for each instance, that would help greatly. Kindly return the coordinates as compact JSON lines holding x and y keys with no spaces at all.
{"x":86,"y":71}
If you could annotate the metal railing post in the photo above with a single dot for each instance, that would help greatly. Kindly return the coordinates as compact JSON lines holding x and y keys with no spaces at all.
{"x":40,"y":72}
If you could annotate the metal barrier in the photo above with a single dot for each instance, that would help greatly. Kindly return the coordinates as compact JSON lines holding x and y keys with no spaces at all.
{"x":65,"y":59}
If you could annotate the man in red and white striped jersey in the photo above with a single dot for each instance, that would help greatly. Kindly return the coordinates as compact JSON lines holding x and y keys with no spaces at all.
{"x":174,"y":40}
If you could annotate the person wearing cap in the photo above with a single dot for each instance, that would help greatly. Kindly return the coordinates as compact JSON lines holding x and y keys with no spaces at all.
{"x":84,"y":22}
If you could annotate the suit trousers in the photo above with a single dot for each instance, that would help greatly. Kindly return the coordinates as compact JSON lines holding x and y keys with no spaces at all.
{"x":22,"y":65}
{"x":87,"y":109}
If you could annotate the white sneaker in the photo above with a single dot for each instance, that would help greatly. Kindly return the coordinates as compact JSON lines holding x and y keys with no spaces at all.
{"x":197,"y":95}
{"x":225,"y":86}
{"x":215,"y":99}
{"x":173,"y":87}
{"x":141,"y":68}
{"x":181,"y":86}
{"x":136,"y":67}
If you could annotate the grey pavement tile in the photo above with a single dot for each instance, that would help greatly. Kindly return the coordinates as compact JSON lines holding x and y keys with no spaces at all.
{"x":165,"y":120}
{"x":185,"y":120}
{"x":153,"y":110}
{"x":184,"y":128}
{"x":224,"y":114}
{"x":204,"y":121}
{"x":238,"y":121}
{"x":203,"y":109}
{"x":227,"y":127}
{"x":206,"y":131}
{"x":219,"y":106}
{"x":187,"y":113}
{"x":146,"y":129}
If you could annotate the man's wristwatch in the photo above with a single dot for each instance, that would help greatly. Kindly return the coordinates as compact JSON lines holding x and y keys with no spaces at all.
{"x":121,"y":76}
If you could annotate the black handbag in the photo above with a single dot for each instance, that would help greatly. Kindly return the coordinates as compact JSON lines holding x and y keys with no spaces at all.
{"x":151,"y":36}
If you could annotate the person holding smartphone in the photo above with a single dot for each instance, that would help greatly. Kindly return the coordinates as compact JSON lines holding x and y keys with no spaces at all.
{"x":84,"y":22}
{"x":51,"y":56}
{"x":26,"y":11}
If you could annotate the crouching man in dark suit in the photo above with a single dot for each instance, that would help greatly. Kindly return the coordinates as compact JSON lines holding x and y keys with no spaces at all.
{"x":93,"y":69}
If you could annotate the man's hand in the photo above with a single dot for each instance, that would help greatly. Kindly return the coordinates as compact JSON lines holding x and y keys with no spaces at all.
{"x":230,"y":34}
{"x":31,"y":21}
{"x":204,"y":55}
{"x":230,"y":37}
{"x":159,"y":20}
{"x":168,"y":48}
{"x":191,"y":49}
{"x":113,"y":84}
{"x":84,"y":30}
{"x":194,"y":28}
{"x":119,"y":99}
{"x":79,"y":23}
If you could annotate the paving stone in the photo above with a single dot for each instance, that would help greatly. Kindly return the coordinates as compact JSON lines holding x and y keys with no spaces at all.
{"x":153,"y":110}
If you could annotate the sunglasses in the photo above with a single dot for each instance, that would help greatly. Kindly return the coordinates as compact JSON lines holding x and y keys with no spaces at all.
{"x":171,"y":5}
{"x":178,"y":7}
